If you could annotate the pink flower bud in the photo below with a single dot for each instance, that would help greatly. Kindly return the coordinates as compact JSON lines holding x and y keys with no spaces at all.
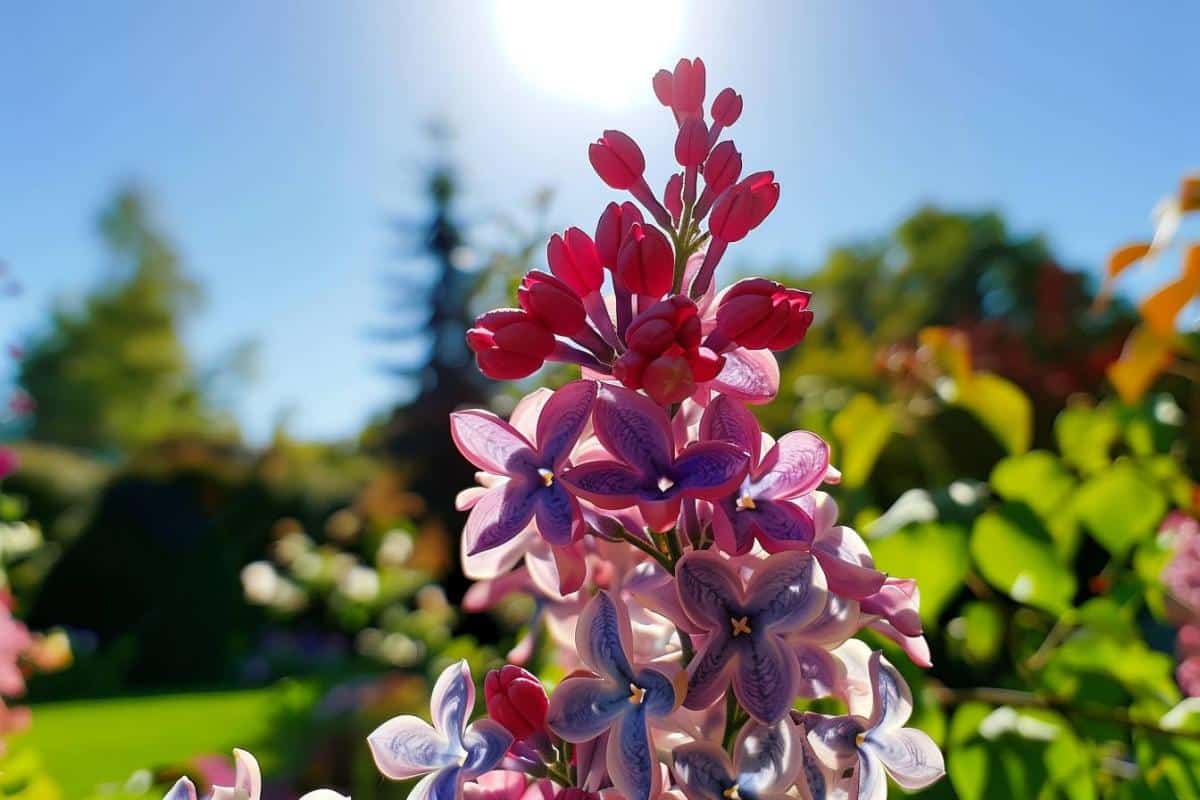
{"x":612,"y":228}
{"x":617,"y":160}
{"x":759,"y":314}
{"x":663,"y":82}
{"x":726,"y":108}
{"x":646,"y":263}
{"x":743,"y":207}
{"x":516,"y":699}
{"x":574,"y":261}
{"x":668,"y":379}
{"x":509,"y":344}
{"x":691,"y":144}
{"x":664,"y":356}
{"x":673,"y":196}
{"x":9,"y":462}
{"x":551,"y":302}
{"x":723,"y":168}
{"x":687,"y":87}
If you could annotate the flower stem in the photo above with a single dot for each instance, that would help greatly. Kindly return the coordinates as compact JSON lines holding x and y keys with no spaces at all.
{"x":732,"y":718}
{"x":649,"y":549}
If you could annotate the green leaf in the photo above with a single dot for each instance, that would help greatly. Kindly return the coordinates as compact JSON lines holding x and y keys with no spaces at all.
{"x":1085,"y":436}
{"x":979,"y":632}
{"x":934,"y":554}
{"x":1039,"y":480}
{"x":1002,"y":408}
{"x":1015,"y":554}
{"x":1119,"y":507}
{"x":863,"y":427}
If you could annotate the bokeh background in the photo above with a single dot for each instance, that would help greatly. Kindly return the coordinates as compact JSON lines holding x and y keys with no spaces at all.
{"x":240,"y":244}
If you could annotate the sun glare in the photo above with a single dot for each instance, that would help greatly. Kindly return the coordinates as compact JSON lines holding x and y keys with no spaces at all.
{"x":595,"y":53}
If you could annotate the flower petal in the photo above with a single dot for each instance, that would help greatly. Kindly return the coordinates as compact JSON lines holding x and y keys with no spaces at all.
{"x":582,"y":708}
{"x":909,"y":755}
{"x":486,"y":742}
{"x":845,"y":558}
{"x":499,"y":784}
{"x":727,"y":420}
{"x":765,"y":679}
{"x":633,"y":428}
{"x":709,"y":470}
{"x":751,"y":376}
{"x":893,"y":703}
{"x":559,"y":520}
{"x":183,"y":789}
{"x":819,"y":672}
{"x":794,"y":466}
{"x":324,"y":794}
{"x":632,"y":766}
{"x":778,"y":524}
{"x":603,"y":637}
{"x":709,"y":671}
{"x":498,"y":561}
{"x":562,"y":421}
{"x":528,"y":409}
{"x":732,"y":531}
{"x":898,"y":602}
{"x":608,"y":484}
{"x":445,"y":784}
{"x":407,"y":746}
{"x":787,"y":591}
{"x":708,"y":587}
{"x":499,"y":515}
{"x":452,"y":701}
{"x":702,"y":770}
{"x":767,"y":758}
{"x":489,"y":442}
{"x":247,"y":782}
{"x":872,"y":783}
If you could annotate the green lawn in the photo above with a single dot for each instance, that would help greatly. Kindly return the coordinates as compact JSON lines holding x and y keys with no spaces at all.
{"x":89,"y":742}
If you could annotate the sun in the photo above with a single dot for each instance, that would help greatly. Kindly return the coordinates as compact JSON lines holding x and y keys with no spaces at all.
{"x":598,"y":53}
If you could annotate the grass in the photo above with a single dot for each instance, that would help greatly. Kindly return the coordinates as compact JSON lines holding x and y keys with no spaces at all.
{"x":83,"y":744}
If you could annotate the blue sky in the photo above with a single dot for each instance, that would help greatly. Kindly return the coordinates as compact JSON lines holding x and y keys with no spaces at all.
{"x":279,"y":139}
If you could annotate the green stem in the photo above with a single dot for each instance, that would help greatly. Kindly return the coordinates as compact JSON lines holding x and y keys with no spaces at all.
{"x":733,"y":719}
{"x":649,"y":550}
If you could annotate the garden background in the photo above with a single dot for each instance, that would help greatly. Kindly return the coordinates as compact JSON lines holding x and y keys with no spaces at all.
{"x":240,"y":246}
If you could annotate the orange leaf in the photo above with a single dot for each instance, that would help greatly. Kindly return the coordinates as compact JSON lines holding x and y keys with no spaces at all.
{"x":1145,"y":356}
{"x":1161,"y":308}
{"x":1125,"y":257}
{"x":1189,"y":193}
{"x":950,"y":349}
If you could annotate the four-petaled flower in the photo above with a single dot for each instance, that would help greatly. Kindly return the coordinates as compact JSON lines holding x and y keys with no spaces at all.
{"x":761,"y":508}
{"x":450,"y":750}
{"x":620,"y":699}
{"x":648,"y":472}
{"x":523,"y":476}
{"x":745,"y":627}
{"x":766,"y":762}
{"x":856,"y":751}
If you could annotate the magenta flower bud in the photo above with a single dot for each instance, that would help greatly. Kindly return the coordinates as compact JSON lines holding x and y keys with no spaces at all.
{"x":646,"y":263}
{"x":723,"y":168}
{"x":614,"y":225}
{"x":517,"y":700}
{"x":574,"y":261}
{"x":760,"y":314}
{"x":551,"y":302}
{"x":687,"y":87}
{"x":617,"y":160}
{"x":9,"y":461}
{"x":691,"y":144}
{"x":743,"y":207}
{"x":509,"y":344}
{"x":726,"y":108}
{"x":664,"y":356}
{"x":673,"y":196}
{"x":663,"y":82}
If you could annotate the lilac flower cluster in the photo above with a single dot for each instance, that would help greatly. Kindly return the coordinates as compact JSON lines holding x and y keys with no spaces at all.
{"x":1181,"y":577}
{"x":692,"y":577}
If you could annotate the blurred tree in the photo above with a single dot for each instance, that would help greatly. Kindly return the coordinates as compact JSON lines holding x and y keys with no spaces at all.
{"x":113,"y":372}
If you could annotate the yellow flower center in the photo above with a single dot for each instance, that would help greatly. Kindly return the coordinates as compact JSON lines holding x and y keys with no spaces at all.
{"x":547,"y":476}
{"x":740,"y":625}
{"x":731,"y":793}
{"x":745,"y":503}
{"x":636,"y":694}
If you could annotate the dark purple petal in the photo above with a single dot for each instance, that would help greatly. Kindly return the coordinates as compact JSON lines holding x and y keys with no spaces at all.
{"x":582,"y":708}
{"x":778,"y":524}
{"x":498,"y":516}
{"x":733,"y":532}
{"x":602,"y":639}
{"x":608,"y":484}
{"x":794,"y":466}
{"x":703,"y":770}
{"x":489,"y":442}
{"x":445,"y":784}
{"x":767,"y":757}
{"x":709,"y":589}
{"x":751,"y":376}
{"x":709,"y":671}
{"x":452,"y":701}
{"x":407,"y":746}
{"x":787,"y":591}
{"x":559,"y":520}
{"x":632,"y":765}
{"x":562,"y":421}
{"x":634,"y":429}
{"x":486,"y":742}
{"x":727,"y":420}
{"x":709,"y":470}
{"x":659,"y":699}
{"x":908,"y":755}
{"x":765,"y":679}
